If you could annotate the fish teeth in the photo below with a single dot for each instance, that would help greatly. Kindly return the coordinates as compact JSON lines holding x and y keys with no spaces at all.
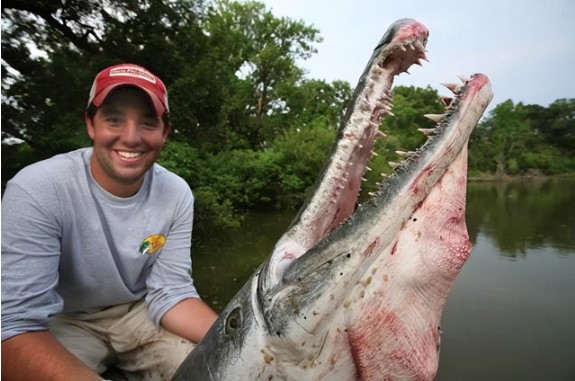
{"x":426,"y":131}
{"x":386,"y":106}
{"x":463,"y":78}
{"x":393,"y":164}
{"x":446,"y":100}
{"x":364,"y":105}
{"x":419,"y":45}
{"x":405,"y":154}
{"x":380,"y":134}
{"x":452,"y":86}
{"x":434,"y":117}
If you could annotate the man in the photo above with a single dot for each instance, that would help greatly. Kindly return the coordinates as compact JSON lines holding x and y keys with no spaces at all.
{"x":96,"y":267}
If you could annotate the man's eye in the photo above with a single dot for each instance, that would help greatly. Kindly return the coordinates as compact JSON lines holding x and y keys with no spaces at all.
{"x":113,"y":120}
{"x":150,"y":123}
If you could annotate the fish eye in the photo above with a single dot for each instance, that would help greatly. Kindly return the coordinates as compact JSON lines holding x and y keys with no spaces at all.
{"x":234,"y":321}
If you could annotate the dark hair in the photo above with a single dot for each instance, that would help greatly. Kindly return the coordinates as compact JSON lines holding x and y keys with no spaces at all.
{"x":92,"y":109}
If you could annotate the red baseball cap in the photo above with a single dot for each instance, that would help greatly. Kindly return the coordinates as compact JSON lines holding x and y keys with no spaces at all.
{"x":129,"y":75}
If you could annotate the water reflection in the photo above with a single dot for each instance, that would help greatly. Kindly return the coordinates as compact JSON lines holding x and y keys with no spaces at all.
{"x":519,"y":215}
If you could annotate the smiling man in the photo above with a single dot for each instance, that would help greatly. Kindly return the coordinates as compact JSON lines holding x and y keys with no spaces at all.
{"x":96,"y":266}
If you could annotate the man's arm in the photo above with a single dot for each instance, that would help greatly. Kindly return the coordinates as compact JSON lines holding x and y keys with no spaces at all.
{"x":191,"y":319}
{"x":39,"y":356}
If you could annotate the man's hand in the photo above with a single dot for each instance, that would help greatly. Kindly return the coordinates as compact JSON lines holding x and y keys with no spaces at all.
{"x":40,"y":356}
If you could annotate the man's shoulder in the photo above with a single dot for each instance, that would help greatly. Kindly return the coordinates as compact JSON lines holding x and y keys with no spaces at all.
{"x":53,"y":170}
{"x":169,"y":181}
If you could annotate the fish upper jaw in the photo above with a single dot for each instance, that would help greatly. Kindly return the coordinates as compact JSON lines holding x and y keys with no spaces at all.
{"x":338,"y":187}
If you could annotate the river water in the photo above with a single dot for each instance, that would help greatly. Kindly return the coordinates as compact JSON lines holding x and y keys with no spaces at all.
{"x":511,"y":313}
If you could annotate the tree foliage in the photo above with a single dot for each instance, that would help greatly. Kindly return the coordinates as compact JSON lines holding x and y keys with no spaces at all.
{"x":250,"y":130}
{"x":518,"y":139}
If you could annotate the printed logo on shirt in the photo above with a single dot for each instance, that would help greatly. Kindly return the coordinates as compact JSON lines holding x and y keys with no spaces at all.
{"x":152,"y":244}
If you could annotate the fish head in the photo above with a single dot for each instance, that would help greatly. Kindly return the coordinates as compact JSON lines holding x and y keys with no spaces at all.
{"x":356,"y":292}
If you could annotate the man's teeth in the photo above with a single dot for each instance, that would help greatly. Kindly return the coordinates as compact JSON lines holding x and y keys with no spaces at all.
{"x":129,"y":155}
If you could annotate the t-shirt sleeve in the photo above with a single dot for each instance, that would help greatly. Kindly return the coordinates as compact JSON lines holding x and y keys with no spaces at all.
{"x":30,"y":257}
{"x":170,"y":280}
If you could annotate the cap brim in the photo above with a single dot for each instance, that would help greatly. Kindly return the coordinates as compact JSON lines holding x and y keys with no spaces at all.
{"x":156,"y":102}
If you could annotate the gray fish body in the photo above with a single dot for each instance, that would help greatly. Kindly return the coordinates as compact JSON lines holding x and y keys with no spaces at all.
{"x":358,"y":295}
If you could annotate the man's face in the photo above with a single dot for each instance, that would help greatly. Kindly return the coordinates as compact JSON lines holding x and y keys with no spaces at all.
{"x":127,"y":139}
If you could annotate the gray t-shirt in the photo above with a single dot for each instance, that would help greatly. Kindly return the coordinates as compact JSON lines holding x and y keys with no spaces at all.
{"x":70,"y":246}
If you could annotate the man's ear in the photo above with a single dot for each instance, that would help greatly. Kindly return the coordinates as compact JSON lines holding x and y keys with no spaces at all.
{"x":167,"y":130}
{"x":89,"y":127}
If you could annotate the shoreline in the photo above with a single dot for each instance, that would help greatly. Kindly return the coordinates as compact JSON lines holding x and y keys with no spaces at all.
{"x":511,"y":178}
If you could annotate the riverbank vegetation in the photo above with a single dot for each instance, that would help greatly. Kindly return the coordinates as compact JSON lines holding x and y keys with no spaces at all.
{"x":251,"y":130}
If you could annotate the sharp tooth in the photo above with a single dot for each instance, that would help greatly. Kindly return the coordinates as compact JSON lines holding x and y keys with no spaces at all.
{"x":463,"y":78}
{"x":364,"y":105}
{"x":446,"y":100}
{"x":426,"y":131}
{"x":452,"y":86}
{"x":367,"y":168}
{"x":411,"y":46}
{"x":424,"y":57}
{"x":386,"y":107}
{"x":371,"y":194}
{"x":418,"y":63}
{"x":419,"y":45}
{"x":402,"y":48}
{"x":405,"y":154}
{"x":363,"y":179}
{"x":380,"y":134}
{"x":393,"y":164}
{"x":373,"y":153}
{"x":435,"y":117}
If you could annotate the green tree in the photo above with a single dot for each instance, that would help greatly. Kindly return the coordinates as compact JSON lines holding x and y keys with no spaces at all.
{"x":555,"y":123}
{"x":262,"y":51}
{"x":509,"y":134}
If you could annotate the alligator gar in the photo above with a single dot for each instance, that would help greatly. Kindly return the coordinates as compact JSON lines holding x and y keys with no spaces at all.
{"x":356,"y":292}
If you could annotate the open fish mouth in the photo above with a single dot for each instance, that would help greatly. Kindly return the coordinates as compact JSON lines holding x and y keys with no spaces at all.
{"x":356,"y":293}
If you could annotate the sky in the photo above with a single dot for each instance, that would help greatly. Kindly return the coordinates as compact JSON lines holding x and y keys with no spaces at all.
{"x":526,"y":48}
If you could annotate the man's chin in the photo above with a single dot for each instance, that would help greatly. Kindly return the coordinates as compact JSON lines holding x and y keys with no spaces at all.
{"x":130,"y":177}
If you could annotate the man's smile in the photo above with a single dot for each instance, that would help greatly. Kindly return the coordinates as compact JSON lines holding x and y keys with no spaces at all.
{"x":129,"y":155}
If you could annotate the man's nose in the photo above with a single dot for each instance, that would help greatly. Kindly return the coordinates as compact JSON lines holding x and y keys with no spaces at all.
{"x":130,"y":133}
